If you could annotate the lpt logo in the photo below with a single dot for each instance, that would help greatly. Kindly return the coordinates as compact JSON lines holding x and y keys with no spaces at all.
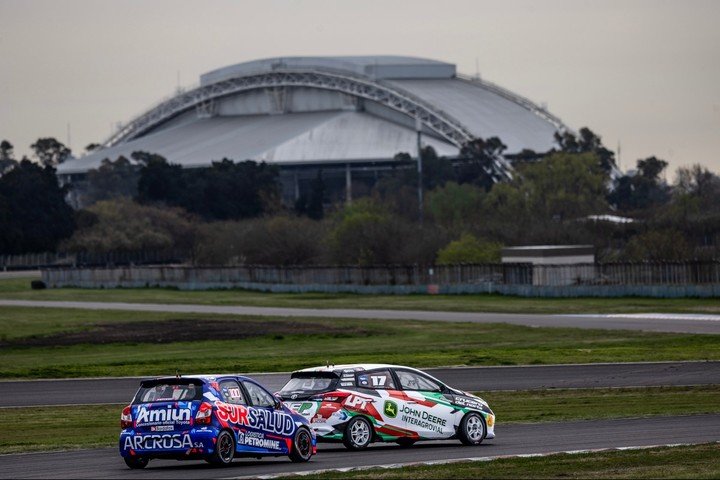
{"x":390,"y":409}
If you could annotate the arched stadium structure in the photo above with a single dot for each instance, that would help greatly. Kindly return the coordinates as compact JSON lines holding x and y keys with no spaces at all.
{"x":348,"y":116}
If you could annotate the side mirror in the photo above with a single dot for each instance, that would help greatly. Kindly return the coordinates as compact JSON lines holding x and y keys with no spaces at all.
{"x":278,"y":402}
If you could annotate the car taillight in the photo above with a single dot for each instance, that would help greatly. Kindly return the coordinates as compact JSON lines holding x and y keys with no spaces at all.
{"x":126,"y":417}
{"x":204,"y":414}
{"x":335,"y":397}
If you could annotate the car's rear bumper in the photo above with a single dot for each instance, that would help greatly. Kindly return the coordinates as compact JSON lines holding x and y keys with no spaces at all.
{"x":193,"y":443}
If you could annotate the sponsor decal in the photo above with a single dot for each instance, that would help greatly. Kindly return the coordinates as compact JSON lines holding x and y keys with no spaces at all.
{"x":468,"y":403}
{"x":257,"y":439}
{"x":390,"y":409}
{"x":161,"y":416}
{"x":302,"y":408}
{"x":357,"y":402}
{"x":160,"y":442}
{"x":161,"y":428}
{"x":423,"y":419}
{"x":260,"y":418}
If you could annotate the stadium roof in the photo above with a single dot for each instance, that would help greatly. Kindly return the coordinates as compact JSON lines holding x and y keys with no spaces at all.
{"x":317,"y":109}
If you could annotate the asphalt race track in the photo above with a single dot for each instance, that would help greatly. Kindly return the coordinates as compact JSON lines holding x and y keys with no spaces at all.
{"x":651,"y":322}
{"x":119,"y":390}
{"x":510,"y":440}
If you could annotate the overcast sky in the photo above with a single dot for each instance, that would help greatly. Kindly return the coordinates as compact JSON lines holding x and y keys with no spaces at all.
{"x":643,"y":74}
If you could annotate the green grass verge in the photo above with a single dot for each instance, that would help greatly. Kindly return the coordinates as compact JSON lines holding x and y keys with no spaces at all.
{"x":414,"y":343}
{"x":692,"y":461}
{"x":48,"y":428}
{"x":19,"y":289}
{"x":59,"y":428}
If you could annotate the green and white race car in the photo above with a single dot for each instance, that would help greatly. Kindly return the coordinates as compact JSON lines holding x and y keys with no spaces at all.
{"x":363,"y":403}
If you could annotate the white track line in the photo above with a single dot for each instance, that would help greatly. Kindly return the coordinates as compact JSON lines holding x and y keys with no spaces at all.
{"x":457,"y":460}
{"x":652,"y":316}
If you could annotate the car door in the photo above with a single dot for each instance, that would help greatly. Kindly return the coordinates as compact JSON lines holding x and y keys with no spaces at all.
{"x":422,"y":407}
{"x":381,"y":386}
{"x":271,"y":428}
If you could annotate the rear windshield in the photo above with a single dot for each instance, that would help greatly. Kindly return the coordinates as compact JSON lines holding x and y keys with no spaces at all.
{"x":310,"y":384}
{"x":168,"y":392}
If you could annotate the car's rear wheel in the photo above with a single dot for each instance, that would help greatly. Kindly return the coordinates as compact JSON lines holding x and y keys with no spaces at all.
{"x":302,"y":446}
{"x":136,"y":462}
{"x":358,"y":433}
{"x":224,"y":450}
{"x":472,"y":429}
{"x":405,"y":442}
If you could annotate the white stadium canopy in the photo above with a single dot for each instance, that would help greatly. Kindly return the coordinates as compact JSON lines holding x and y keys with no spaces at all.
{"x":314,"y":110}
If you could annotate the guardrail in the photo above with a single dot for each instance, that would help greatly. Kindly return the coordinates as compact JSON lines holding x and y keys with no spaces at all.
{"x":646,"y":273}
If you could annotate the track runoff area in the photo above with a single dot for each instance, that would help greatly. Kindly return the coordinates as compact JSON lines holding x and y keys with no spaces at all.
{"x":512,"y":440}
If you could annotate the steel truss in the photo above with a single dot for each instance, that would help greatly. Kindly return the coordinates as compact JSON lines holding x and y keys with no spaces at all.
{"x":203,"y":100}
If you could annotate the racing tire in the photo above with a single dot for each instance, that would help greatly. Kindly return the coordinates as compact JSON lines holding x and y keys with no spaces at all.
{"x":358,"y":434}
{"x":405,"y":442}
{"x":472,"y":429}
{"x":136,"y":462}
{"x":302,"y":448}
{"x":224,"y":450}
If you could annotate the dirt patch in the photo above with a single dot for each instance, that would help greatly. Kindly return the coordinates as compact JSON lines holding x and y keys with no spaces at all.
{"x":184,"y":330}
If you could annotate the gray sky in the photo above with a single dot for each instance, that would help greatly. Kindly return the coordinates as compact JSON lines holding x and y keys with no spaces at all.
{"x":642,"y":73}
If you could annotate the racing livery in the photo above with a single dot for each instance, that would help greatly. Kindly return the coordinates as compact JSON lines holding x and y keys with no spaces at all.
{"x":210,"y":417}
{"x":359,"y":404}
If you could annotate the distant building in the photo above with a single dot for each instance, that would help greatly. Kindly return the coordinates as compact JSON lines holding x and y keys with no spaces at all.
{"x":555,"y":264}
{"x":348,"y":116}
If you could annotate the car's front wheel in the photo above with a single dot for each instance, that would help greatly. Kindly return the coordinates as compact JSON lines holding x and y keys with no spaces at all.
{"x":302,"y":446}
{"x":358,"y":433}
{"x":472,"y":429}
{"x":224,"y":450}
{"x":136,"y":462}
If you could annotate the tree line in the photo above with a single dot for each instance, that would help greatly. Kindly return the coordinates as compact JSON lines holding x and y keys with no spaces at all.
{"x":231,"y":212}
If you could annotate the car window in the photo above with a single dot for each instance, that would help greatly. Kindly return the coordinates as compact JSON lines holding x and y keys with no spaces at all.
{"x":258,"y":396}
{"x":415,"y":381}
{"x":308,"y":384}
{"x":378,"y":379}
{"x":231,"y":392}
{"x":169,"y":392}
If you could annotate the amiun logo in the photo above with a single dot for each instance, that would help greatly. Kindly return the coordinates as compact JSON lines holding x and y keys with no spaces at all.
{"x":390,"y":409}
{"x":169,"y":414}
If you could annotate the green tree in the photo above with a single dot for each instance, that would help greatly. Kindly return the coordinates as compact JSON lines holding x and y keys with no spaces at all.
{"x":587,"y":142}
{"x":468,"y":249}
{"x":642,"y":190}
{"x":123,"y":225}
{"x":50,"y":152}
{"x":564,"y":186}
{"x":482,"y":162}
{"x":112,"y":179}
{"x":227,"y":190}
{"x":33,"y":211}
{"x":455,"y":206}
{"x":655,"y":245}
{"x":7,"y":160}
{"x":365,"y":233}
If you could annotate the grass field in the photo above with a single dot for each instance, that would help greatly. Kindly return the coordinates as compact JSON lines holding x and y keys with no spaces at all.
{"x":86,"y":426}
{"x":35,"y":343}
{"x":19,"y":289}
{"x":692,"y":461}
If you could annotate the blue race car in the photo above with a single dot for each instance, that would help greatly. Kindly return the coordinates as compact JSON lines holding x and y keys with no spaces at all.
{"x":211,"y":417}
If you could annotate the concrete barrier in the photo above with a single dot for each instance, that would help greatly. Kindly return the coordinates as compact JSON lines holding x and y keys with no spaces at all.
{"x":207,"y":278}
